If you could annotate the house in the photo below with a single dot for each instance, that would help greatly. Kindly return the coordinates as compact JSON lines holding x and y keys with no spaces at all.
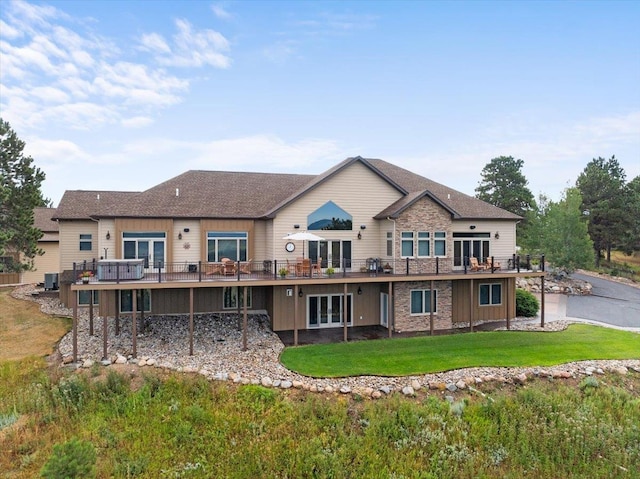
{"x":49,"y":261}
{"x":394,"y":250}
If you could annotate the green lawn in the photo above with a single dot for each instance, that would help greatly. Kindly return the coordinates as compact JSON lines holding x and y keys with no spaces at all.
{"x":430,"y":354}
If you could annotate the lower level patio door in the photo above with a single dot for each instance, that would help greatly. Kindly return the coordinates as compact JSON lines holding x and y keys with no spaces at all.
{"x":325,"y":311}
{"x":384,"y":310}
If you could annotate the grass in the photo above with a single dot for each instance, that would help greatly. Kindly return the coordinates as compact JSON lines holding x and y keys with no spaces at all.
{"x":430,"y":354}
{"x":21,"y":318}
{"x":186,"y":426}
{"x":627,"y":266}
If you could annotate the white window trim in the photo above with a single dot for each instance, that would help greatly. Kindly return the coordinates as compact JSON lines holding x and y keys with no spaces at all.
{"x":437,"y":239}
{"x":423,"y":291}
{"x":413,"y":244}
{"x":330,"y":325}
{"x":85,"y":238}
{"x":423,"y":240}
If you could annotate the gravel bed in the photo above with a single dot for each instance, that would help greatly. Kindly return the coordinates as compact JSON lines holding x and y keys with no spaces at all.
{"x":218,"y":354}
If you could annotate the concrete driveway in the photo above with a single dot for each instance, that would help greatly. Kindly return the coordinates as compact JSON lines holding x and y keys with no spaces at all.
{"x":611,"y":303}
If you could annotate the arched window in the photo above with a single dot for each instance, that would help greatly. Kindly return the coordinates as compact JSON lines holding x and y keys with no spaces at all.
{"x":329,"y":217}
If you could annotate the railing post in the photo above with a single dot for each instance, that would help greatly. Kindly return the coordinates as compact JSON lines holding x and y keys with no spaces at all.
{"x":344,"y":269}
{"x":513,"y":261}
{"x":407,"y":267}
{"x":518,"y":263}
{"x":75,"y":272}
{"x":200,"y":271}
{"x":528,"y":258}
{"x":275,"y":269}
{"x":493,"y":265}
{"x":542,"y":262}
{"x":465,"y":260}
{"x":437,"y":265}
{"x":117,"y":273}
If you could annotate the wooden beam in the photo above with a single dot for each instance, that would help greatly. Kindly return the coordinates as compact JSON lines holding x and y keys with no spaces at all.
{"x":344,"y":313}
{"x":74,"y":299}
{"x":117,"y":312}
{"x":190,"y":321}
{"x":471,"y":305}
{"x":134,"y":321}
{"x":296,"y":290}
{"x":390,"y":321}
{"x":431,"y":308}
{"x":244,"y":318}
{"x":105,"y":334}
{"x":507,"y":281}
{"x":90,"y":312}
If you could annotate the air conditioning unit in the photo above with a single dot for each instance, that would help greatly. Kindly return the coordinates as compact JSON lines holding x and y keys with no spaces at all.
{"x":51,"y":281}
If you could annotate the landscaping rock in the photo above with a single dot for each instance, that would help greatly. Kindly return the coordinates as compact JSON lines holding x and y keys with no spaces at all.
{"x":408,"y":391}
{"x":266,"y":381}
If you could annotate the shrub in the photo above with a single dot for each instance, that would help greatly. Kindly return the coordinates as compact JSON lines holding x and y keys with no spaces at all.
{"x":74,"y":459}
{"x":526,"y":304}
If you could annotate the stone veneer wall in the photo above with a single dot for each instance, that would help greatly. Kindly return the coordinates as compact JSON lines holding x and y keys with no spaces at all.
{"x":425,"y":215}
{"x":404,"y":321}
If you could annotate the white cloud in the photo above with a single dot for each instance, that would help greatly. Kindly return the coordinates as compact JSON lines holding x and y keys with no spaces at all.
{"x":188,"y":48}
{"x":57,"y":70}
{"x":137,"y":122}
{"x":219,"y":11}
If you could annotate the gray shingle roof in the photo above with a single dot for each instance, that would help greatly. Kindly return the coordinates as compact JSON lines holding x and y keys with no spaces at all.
{"x":222,"y":194}
{"x":42,"y":220}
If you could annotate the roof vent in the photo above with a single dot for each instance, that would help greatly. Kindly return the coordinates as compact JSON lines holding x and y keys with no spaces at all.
{"x":98,"y":197}
{"x":177,"y":191}
{"x":448,"y":196}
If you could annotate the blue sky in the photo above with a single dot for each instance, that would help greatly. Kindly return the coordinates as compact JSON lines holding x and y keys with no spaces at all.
{"x":117,"y":95}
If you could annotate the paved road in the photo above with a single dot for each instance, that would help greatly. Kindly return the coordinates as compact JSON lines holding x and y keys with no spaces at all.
{"x":610,"y":302}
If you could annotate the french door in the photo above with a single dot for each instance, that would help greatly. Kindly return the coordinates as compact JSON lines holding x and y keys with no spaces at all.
{"x":151,"y":247}
{"x":476,"y":246}
{"x":326,"y":311}
{"x":334,"y":253}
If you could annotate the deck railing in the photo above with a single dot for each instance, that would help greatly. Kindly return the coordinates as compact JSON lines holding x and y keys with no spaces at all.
{"x":124,"y":271}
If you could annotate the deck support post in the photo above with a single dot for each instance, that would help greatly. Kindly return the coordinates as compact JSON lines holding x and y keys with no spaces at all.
{"x":471,"y":305}
{"x":74,"y":299}
{"x":508,"y":302}
{"x":344,"y":313}
{"x":431,"y":308}
{"x":117,"y":312}
{"x":134,"y":321}
{"x":91,"y":312}
{"x":296,"y":289}
{"x":105,"y":334}
{"x":190,"y":321}
{"x":390,"y":320}
{"x":244,"y":318}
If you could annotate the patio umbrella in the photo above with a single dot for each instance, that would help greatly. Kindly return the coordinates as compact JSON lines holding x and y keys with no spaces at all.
{"x":303,"y":236}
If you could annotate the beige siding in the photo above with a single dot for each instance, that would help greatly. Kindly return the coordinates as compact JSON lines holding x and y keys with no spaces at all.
{"x":260,"y":241}
{"x":504,"y":246}
{"x":70,"y":232}
{"x":187,"y":249}
{"x":359,"y":192}
{"x":49,"y":262}
{"x":107,"y":226}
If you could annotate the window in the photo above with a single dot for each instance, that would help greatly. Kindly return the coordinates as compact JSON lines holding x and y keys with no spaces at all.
{"x":126,"y":301}
{"x":84,"y":296}
{"x":421,"y":301}
{"x":85,"y":242}
{"x":230,"y":299}
{"x":490,"y":294}
{"x":424,"y":247}
{"x":440,"y":243}
{"x":227,"y":244}
{"x":330,"y":217}
{"x":389,"y":243}
{"x":407,"y":244}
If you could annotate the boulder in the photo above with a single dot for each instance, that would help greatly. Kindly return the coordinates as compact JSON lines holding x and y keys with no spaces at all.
{"x":408,"y":391}
{"x":266,"y":381}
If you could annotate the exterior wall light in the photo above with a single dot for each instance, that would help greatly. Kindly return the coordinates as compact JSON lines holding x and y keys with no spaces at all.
{"x":108,"y":236}
{"x":296,"y":226}
{"x":300,"y":293}
{"x":497,"y":235}
{"x":359,"y":235}
{"x":180,"y":235}
{"x":359,"y":290}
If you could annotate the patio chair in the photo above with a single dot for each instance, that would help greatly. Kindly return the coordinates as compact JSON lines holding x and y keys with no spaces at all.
{"x":316,"y":268}
{"x":492,"y":265}
{"x":246,"y":267}
{"x":213,"y":269}
{"x":228,"y":267}
{"x":475,"y":266}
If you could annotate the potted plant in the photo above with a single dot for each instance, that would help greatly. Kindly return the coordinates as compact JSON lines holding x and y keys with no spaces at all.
{"x":85,"y":276}
{"x":387,"y":268}
{"x":330,"y":271}
{"x":282,"y":272}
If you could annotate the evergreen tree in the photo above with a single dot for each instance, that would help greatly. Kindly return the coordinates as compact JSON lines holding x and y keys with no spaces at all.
{"x":503,"y":185}
{"x":603,"y":189}
{"x":20,"y":182}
